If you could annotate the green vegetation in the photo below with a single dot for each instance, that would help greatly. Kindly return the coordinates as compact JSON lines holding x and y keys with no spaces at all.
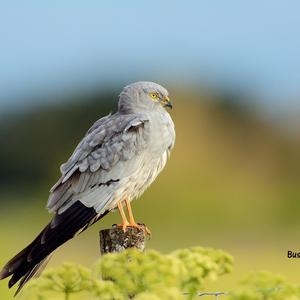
{"x":131,"y":274}
{"x":135,"y":275}
{"x":264,"y":285}
{"x":232,"y":182}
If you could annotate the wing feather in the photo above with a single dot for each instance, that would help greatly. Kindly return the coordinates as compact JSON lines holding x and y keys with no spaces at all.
{"x":109,"y":152}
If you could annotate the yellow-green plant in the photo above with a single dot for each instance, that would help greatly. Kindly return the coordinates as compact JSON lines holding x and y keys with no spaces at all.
{"x":202,"y":263}
{"x":66,"y":280}
{"x":264,"y":285}
{"x":132,"y":274}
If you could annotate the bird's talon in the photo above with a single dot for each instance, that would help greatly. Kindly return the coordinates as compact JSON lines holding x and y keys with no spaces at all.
{"x":123,"y":226}
{"x":148,"y":232}
{"x":145,"y":228}
{"x":141,"y":226}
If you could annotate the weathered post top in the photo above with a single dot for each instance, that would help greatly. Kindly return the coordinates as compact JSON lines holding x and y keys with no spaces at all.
{"x":116,"y":240}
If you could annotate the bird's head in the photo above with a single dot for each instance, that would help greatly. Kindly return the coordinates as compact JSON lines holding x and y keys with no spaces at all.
{"x":143,"y":95}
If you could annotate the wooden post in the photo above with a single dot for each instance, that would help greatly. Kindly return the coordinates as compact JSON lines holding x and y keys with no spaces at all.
{"x":116,"y":240}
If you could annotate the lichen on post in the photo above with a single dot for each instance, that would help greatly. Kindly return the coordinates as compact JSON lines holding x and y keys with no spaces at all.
{"x":116,"y":240}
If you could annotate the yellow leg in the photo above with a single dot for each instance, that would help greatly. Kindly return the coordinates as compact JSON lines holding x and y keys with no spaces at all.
{"x":132,"y":222}
{"x":125,"y":222}
{"x":130,"y":214}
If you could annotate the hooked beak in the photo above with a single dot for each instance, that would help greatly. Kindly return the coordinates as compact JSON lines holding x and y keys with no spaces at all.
{"x":167,"y":102}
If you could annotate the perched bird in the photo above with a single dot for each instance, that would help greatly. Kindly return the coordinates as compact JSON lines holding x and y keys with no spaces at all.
{"x":118,"y":158}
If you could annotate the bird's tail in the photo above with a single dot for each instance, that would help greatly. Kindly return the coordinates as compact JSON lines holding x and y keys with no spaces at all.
{"x":31,"y":260}
{"x":34,"y":272}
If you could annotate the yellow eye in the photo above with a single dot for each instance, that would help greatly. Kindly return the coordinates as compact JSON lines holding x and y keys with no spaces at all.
{"x":153,"y":95}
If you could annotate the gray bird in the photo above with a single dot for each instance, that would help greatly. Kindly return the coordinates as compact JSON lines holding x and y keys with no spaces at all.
{"x":118,"y":158}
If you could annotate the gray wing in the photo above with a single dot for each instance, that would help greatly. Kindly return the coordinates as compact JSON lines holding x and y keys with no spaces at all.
{"x":111,"y":151}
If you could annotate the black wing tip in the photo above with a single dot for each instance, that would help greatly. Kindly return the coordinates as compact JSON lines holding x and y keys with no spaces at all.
{"x":4,"y":273}
{"x":25,"y":264}
{"x":11,"y":283}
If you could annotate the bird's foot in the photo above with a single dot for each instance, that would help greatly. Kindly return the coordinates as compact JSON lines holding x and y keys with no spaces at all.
{"x":125,"y":225}
{"x":141,"y":226}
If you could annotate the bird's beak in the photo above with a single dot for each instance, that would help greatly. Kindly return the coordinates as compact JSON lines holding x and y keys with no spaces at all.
{"x":167,"y":102}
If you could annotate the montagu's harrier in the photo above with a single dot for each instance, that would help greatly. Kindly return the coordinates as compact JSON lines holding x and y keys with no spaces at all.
{"x":118,"y":158}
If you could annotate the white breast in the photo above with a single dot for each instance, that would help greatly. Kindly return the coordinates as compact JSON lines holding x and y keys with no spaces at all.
{"x":137,"y":183}
{"x":162,"y":139}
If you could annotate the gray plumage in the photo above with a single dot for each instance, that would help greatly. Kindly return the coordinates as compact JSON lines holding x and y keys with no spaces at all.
{"x":118,"y":158}
{"x":120,"y":155}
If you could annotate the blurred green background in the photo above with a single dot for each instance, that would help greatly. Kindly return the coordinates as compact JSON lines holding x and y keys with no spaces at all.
{"x":232,"y":181}
{"x":233,"y":178}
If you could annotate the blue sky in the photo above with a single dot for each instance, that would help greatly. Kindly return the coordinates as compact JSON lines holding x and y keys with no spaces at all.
{"x":52,"y":47}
